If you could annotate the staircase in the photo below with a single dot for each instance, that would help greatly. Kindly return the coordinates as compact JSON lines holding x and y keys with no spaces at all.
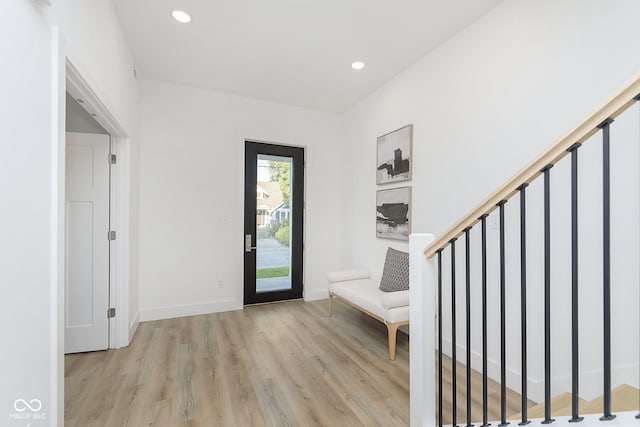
{"x":538,"y":304}
{"x":513,"y":398}
{"x":623,"y":398}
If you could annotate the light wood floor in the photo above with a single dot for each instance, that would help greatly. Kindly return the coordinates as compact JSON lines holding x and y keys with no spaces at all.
{"x":285,"y":364}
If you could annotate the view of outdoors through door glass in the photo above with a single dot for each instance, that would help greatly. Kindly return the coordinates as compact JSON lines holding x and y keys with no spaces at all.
{"x":273,"y":206}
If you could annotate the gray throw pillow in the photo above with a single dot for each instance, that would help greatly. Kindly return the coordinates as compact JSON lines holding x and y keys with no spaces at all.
{"x":395,"y":276}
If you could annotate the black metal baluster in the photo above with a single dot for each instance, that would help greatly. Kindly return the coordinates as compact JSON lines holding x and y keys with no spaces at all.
{"x":523,"y":300}
{"x":606,"y":260}
{"x":468,"y":304}
{"x":547,"y":295}
{"x":439,"y":252}
{"x":637,"y":98}
{"x":575,"y":417}
{"x":454,"y":359}
{"x":503,"y":323}
{"x":485,"y":411}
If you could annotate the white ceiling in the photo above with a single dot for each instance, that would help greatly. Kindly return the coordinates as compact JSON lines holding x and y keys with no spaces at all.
{"x":296,"y":52}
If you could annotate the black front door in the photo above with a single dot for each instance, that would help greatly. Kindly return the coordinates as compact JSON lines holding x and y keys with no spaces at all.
{"x":273,"y":215}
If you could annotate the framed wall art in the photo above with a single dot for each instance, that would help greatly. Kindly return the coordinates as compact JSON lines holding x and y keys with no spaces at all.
{"x":394,"y":156}
{"x":393,"y":213}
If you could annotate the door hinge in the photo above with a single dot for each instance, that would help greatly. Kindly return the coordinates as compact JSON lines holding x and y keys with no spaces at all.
{"x":112,"y":159}
{"x":111,"y":313}
{"x":111,"y":235}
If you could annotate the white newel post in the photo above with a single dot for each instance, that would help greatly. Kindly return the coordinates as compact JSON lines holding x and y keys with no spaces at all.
{"x":422,"y":289}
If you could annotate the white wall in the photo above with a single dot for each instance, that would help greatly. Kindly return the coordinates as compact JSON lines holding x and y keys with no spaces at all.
{"x":27,"y":248}
{"x":31,"y":278}
{"x":96,"y":45}
{"x":191,"y":195}
{"x":482,"y":105}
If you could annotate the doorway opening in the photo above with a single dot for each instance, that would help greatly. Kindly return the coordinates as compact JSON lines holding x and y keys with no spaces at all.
{"x":121,"y":326}
{"x":274,"y":210}
{"x":87,"y":224}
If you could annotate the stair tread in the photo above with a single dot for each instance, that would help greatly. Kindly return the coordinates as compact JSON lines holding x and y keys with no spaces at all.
{"x":623,"y":398}
{"x":560,"y":406}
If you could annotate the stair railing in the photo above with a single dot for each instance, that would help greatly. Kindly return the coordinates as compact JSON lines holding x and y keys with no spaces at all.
{"x":600,"y":121}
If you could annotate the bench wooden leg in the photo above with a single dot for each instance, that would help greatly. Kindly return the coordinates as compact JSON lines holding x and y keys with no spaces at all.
{"x":330,"y":304}
{"x":393,"y":329}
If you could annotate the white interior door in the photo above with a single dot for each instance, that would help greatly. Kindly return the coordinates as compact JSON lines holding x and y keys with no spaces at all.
{"x":87,"y":244}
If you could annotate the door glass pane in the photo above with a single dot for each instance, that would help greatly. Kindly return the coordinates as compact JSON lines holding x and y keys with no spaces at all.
{"x":273,"y":218}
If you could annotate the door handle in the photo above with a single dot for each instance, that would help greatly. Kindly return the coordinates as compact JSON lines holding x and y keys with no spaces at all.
{"x":247,"y":243}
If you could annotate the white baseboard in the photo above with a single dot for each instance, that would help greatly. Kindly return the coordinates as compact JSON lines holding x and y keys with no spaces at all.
{"x":316,"y":294}
{"x":170,"y":312}
{"x":133,"y":326}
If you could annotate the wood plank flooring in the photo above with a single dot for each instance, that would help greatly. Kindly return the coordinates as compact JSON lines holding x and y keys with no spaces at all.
{"x":285,"y":364}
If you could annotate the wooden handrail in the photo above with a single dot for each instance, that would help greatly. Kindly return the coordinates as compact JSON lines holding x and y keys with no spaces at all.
{"x":611,"y":109}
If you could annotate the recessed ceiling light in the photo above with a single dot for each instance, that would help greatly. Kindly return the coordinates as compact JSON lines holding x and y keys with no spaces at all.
{"x":181,"y":16}
{"x":358,"y":65}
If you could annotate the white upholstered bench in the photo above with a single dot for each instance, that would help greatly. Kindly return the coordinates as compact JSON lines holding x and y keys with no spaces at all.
{"x":356,"y":288}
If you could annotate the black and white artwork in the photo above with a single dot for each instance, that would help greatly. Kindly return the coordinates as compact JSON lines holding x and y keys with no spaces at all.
{"x":393,"y":213}
{"x":394,"y":156}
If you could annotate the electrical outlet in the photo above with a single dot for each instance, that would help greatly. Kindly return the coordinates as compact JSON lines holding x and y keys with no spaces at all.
{"x":220,"y":283}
